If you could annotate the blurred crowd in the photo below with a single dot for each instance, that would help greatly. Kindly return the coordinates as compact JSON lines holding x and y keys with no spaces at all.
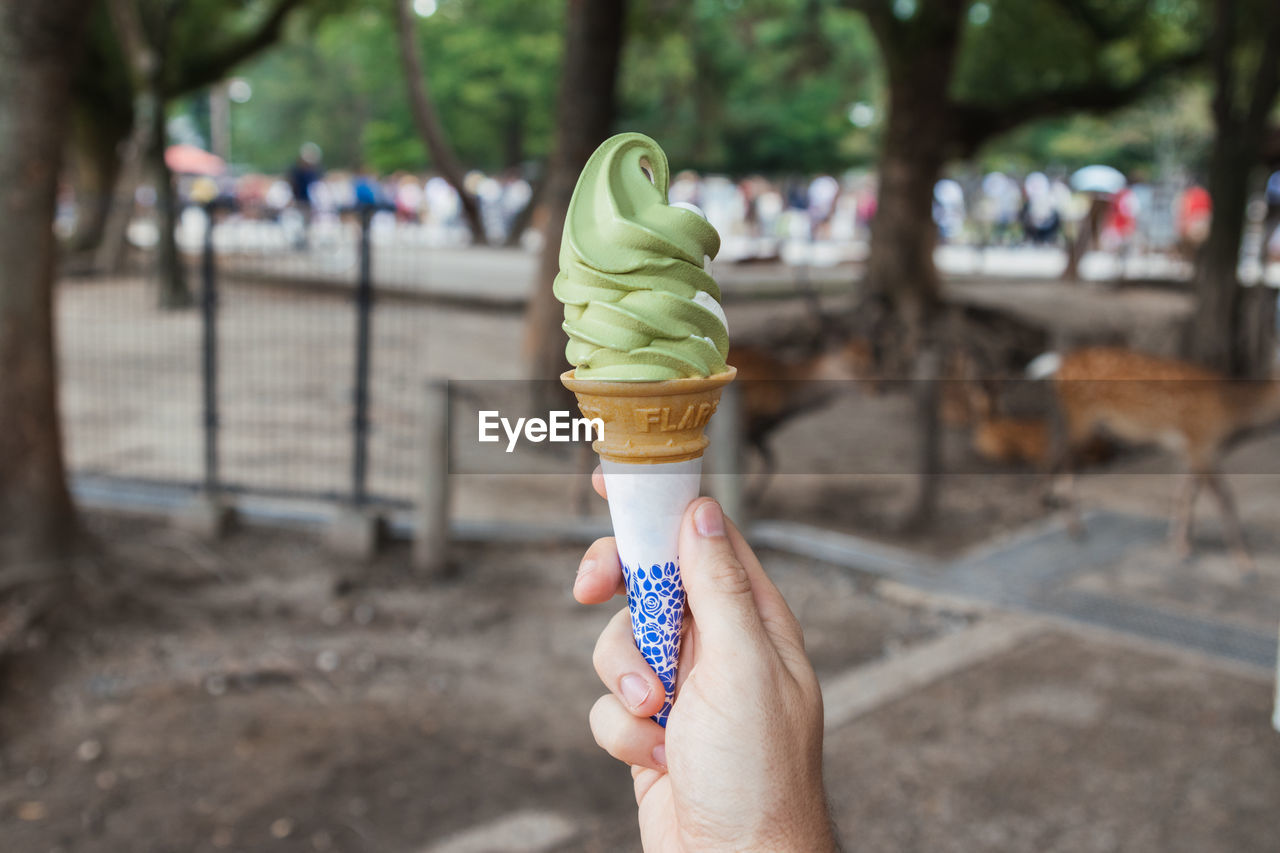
{"x":307,"y":195}
{"x":821,"y":219}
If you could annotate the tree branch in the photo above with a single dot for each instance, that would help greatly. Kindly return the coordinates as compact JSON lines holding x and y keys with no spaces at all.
{"x":207,"y":69}
{"x":976,"y":123}
{"x":428,"y":123}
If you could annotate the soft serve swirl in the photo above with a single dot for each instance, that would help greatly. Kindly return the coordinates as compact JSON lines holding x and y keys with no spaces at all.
{"x":631,"y":270}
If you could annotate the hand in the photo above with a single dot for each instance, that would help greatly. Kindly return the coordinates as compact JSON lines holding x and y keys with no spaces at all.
{"x":739,"y":765}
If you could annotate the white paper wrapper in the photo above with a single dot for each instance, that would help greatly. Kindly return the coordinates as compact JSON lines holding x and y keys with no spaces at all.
{"x":646,"y":503}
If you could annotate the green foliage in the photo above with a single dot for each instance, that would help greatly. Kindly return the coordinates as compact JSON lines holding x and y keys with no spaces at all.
{"x":492,"y":68}
{"x":1022,"y":48}
{"x":753,"y":86}
{"x":737,"y":86}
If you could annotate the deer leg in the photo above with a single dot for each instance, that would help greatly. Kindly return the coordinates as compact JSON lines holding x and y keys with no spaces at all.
{"x":1184,"y":515}
{"x":768,"y":464}
{"x":1060,"y":488}
{"x":1231,"y":523}
{"x":1075,"y":519}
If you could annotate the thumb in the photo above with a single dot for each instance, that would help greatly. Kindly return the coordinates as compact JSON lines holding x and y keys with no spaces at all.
{"x":716,"y":582}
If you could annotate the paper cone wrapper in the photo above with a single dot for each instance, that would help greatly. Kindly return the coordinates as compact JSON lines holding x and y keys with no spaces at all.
{"x":651,"y":454}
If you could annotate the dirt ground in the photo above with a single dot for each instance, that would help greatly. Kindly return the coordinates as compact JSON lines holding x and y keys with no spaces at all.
{"x":263,"y":695}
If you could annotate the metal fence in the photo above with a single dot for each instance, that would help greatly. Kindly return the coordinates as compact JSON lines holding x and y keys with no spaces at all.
{"x":297,"y":374}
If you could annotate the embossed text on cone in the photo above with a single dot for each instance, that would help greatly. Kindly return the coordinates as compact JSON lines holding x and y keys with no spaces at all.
{"x":651,"y":455}
{"x":650,"y":423}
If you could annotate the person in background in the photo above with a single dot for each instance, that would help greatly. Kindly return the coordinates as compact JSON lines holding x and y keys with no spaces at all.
{"x":948,"y":209}
{"x":1195,"y":207}
{"x":1041,"y":219}
{"x":304,"y":173}
{"x":408,"y":200}
{"x":364,"y":187}
{"x":1272,"y":220}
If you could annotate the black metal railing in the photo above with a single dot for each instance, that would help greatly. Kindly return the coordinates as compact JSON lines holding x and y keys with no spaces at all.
{"x":297,"y":391}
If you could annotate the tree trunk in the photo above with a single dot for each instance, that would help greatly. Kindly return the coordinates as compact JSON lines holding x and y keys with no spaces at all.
{"x":170,"y":273}
{"x":1232,"y":331}
{"x":95,"y":157}
{"x":584,"y":117}
{"x":1215,"y":330}
{"x":113,"y":247}
{"x":900,"y":274}
{"x":428,"y":123}
{"x":900,"y":270}
{"x":39,"y":44}
{"x":901,"y":281}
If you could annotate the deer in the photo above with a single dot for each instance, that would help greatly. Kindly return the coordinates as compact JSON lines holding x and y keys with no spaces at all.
{"x":1192,"y":412}
{"x":776,"y":389}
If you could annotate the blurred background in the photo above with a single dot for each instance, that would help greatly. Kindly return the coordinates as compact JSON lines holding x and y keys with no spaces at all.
{"x":1001,"y":280}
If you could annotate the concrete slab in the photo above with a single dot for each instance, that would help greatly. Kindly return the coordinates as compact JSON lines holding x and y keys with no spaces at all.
{"x":1063,"y":743}
{"x":356,"y":532}
{"x":207,"y":516}
{"x":866,"y":688}
{"x":519,"y":832}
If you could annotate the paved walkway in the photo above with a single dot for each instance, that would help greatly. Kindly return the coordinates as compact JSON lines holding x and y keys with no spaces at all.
{"x":1047,"y":572}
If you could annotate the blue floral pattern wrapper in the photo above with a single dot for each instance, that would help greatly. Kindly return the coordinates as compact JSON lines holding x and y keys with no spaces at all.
{"x":655,"y":597}
{"x":647,"y":504}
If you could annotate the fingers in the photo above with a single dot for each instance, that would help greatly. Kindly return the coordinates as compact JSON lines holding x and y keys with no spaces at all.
{"x":597,"y":481}
{"x":728,"y":591}
{"x":643,"y":778}
{"x":624,"y":670}
{"x":630,"y":739}
{"x":599,"y":574}
{"x":775,"y":613}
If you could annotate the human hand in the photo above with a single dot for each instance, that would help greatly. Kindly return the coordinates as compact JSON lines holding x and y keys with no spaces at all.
{"x":739,"y":765}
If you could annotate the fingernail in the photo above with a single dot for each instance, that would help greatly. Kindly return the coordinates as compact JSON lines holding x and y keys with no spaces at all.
{"x":660,"y":755}
{"x":709,"y":520}
{"x":634,"y":689}
{"x":586,"y":566}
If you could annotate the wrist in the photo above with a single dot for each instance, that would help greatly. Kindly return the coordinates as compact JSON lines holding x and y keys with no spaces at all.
{"x":808,"y":828}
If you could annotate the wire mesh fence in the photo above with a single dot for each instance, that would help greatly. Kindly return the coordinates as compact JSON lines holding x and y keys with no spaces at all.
{"x":273,"y":406}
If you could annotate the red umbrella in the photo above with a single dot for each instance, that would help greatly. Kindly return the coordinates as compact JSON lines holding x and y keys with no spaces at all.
{"x":190,"y":160}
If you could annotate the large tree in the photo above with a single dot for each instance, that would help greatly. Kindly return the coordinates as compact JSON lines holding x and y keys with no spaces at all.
{"x":39,"y":45}
{"x":1233,"y":326}
{"x":584,"y":117}
{"x":961,"y":73}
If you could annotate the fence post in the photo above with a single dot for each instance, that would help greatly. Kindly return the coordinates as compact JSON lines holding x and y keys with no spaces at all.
{"x":211,"y":514}
{"x":209,"y":354}
{"x":357,"y":531}
{"x":364,"y":312}
{"x":725,"y":450}
{"x":431,"y":540}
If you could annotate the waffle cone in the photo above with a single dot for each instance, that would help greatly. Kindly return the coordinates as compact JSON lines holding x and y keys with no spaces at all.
{"x":650,"y":423}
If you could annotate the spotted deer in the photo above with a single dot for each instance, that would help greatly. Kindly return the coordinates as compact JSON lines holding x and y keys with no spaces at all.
{"x":1189,"y":411}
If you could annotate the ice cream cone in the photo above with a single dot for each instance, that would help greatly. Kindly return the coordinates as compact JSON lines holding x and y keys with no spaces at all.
{"x":651,"y":454}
